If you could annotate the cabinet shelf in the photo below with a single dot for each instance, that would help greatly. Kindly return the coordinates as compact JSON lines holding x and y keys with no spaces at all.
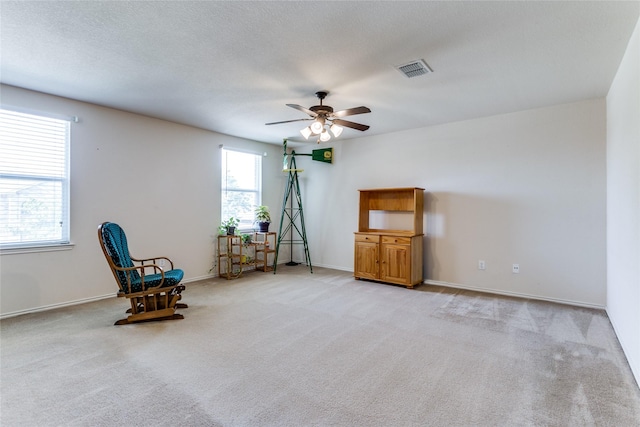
{"x":408,"y":200}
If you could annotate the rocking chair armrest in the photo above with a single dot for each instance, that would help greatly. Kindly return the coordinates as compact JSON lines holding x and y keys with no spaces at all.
{"x":142,"y":274}
{"x":154,"y":260}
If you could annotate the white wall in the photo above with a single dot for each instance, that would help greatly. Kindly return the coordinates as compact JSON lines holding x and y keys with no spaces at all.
{"x":525,"y":187}
{"x":159,"y":180}
{"x":623,"y":203}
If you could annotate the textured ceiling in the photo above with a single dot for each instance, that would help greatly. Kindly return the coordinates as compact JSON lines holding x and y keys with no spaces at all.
{"x":232,"y":66}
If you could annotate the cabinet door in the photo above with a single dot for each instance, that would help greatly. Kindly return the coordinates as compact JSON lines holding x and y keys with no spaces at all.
{"x":366,"y":260}
{"x":396,"y":263}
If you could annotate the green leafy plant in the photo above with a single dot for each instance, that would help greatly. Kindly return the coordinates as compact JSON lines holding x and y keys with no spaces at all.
{"x":262,"y":214}
{"x":227,"y":226}
{"x":246,"y":238}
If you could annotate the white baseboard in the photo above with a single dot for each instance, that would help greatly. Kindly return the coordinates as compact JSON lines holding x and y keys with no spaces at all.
{"x":488,"y":291}
{"x":634,"y":363}
{"x":211,"y":276}
{"x":54,"y":306}
{"x":485,"y":290}
{"x":82,"y":301}
{"x":196,"y":279}
{"x":333,"y":267}
{"x":513,"y":294}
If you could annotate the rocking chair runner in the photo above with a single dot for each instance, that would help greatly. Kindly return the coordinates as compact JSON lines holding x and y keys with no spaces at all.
{"x":153,"y":296}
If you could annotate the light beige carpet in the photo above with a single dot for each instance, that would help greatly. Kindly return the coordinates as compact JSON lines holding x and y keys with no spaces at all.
{"x":321,"y":349}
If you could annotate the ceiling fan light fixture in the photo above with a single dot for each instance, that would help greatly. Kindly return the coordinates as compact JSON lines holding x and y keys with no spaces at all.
{"x":324,"y":136}
{"x":317,"y":126}
{"x":325,"y":122}
{"x":306,"y":132}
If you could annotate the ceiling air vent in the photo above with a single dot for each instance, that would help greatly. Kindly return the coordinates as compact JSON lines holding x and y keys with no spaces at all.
{"x":414,"y":68}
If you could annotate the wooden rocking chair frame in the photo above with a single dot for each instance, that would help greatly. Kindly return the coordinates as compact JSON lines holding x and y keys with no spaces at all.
{"x":152,"y":303}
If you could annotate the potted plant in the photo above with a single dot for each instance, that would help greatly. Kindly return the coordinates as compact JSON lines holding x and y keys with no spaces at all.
{"x":229,"y":226}
{"x":263,"y":218}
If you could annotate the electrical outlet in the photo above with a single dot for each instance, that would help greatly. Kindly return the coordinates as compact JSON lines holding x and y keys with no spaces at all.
{"x":516,"y":268}
{"x":482,"y":265}
{"x":161,"y":263}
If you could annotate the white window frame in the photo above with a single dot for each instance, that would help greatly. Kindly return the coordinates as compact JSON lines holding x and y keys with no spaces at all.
{"x":247,"y":221}
{"x":20,"y":129}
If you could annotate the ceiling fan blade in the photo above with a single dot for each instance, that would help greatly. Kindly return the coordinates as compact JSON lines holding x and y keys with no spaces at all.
{"x":287,"y":121}
{"x":351,"y":111}
{"x":304,"y":110}
{"x":351,"y":125}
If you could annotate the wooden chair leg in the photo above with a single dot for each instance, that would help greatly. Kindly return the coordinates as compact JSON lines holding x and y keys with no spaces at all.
{"x":174,"y":316}
{"x":153,"y":305}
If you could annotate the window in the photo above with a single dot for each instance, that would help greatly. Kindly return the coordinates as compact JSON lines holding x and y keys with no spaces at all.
{"x":34,"y":180}
{"x":241,"y":186}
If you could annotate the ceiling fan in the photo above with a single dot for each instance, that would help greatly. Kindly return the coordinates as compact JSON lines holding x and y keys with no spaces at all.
{"x":324,"y":117}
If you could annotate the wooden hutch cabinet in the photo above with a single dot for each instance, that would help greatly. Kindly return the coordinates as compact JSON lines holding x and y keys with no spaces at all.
{"x":385,"y":254}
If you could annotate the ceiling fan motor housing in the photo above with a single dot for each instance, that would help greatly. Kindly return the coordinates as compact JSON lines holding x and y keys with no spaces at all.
{"x":321,"y":109}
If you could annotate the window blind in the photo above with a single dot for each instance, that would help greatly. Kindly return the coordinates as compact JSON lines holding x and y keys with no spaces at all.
{"x":34,"y":180}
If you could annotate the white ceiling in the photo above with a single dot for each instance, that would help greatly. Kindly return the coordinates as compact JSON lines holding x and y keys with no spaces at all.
{"x":232,"y":66}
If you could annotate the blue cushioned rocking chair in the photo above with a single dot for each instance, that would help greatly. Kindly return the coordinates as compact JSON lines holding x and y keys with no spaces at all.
{"x":153,"y":296}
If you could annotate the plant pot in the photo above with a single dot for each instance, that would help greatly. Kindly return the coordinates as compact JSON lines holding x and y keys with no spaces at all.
{"x":231,"y":231}
{"x":263,"y":227}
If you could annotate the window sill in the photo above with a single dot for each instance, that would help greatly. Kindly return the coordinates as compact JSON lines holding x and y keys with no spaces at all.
{"x":33,"y":249}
